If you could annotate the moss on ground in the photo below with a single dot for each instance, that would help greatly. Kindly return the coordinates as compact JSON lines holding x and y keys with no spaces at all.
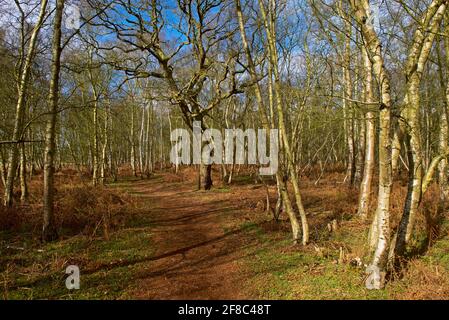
{"x":106,"y":267}
{"x":280,"y":270}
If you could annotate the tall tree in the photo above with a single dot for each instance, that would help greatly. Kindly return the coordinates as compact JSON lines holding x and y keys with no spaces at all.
{"x":49,"y":231}
{"x":269,"y":22}
{"x":378,"y":267}
{"x":366,"y":184}
{"x":17,"y":135}
{"x":418,"y":56}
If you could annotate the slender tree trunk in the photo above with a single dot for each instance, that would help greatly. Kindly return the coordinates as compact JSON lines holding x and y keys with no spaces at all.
{"x":272,"y":49}
{"x":282,"y":190}
{"x":23,"y":175}
{"x":104,"y":158}
{"x":31,"y":160}
{"x":95,"y":162}
{"x":347,"y":105}
{"x":366,"y":184}
{"x":378,"y":267}
{"x":20,"y":107}
{"x":361,"y":148}
{"x":49,"y":231}
{"x":2,"y":167}
{"x":396,"y":149}
{"x":142,"y":143}
{"x":95,"y":144}
{"x":147,"y":142}
{"x":133,"y":144}
{"x":415,"y":67}
{"x":444,"y":128}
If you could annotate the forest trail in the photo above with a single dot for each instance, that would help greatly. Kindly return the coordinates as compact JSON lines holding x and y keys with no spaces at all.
{"x":195,"y":258}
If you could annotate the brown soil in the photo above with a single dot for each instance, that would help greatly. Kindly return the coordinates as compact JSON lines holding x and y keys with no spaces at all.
{"x":196,"y":256}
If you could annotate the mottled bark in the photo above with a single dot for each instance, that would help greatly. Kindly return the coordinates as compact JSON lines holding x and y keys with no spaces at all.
{"x":378,"y":267}
{"x":361,"y":127}
{"x":444,"y":127}
{"x":366,"y":184}
{"x":96,"y":97}
{"x":417,"y":59}
{"x":273,"y":57}
{"x":348,"y":110}
{"x":282,"y":189}
{"x":49,"y":231}
{"x":104,"y":159}
{"x":23,"y":175}
{"x":133,"y":143}
{"x":20,"y":107}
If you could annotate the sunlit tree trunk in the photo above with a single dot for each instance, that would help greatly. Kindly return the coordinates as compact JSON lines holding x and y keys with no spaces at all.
{"x":149,"y":144}
{"x":95,"y":144}
{"x":96,"y":97}
{"x":366,"y":184}
{"x":378,"y":267}
{"x":444,"y":130}
{"x":49,"y":231}
{"x":361,"y":148}
{"x":20,"y":107}
{"x":269,"y":23}
{"x":133,"y":143}
{"x":396,"y":147}
{"x":283,"y":192}
{"x":104,"y":159}
{"x":142,"y":142}
{"x":2,"y":167}
{"x":23,"y":175}
{"x":415,"y":66}
{"x":347,"y":105}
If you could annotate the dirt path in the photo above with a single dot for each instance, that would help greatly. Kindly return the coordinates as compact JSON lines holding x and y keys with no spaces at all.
{"x":196,"y":256}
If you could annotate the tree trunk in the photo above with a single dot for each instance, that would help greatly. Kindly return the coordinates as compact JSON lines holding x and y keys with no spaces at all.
{"x":347,"y":105}
{"x":49,"y":231}
{"x":206,"y":174}
{"x":23,"y":175}
{"x":282,"y":190}
{"x":378,"y":267}
{"x":142,"y":143}
{"x":366,"y":184}
{"x":444,"y":128}
{"x":95,"y":122}
{"x":273,"y":55}
{"x":20,"y":107}
{"x":411,"y":113}
{"x":95,"y":145}
{"x":133,"y":145}
{"x":105,"y":145}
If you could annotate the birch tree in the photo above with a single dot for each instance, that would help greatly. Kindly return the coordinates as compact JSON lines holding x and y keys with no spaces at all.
{"x":283,"y":192}
{"x":17,"y":135}
{"x":377,"y":269}
{"x":418,"y":56}
{"x":366,"y":184}
{"x":49,"y":231}
{"x":269,"y":23}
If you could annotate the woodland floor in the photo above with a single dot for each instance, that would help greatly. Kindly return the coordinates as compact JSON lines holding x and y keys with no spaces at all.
{"x":170,"y":241}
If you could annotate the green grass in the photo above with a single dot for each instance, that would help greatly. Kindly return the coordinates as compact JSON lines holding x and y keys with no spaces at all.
{"x":222,"y":189}
{"x":280,"y":271}
{"x":439,"y":254}
{"x":106,"y":267}
{"x":276,"y":269}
